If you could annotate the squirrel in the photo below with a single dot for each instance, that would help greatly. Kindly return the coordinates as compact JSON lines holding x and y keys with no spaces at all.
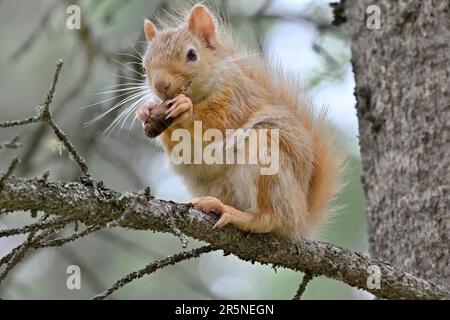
{"x":198,"y":70}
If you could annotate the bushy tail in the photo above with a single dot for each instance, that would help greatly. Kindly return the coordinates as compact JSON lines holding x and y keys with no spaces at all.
{"x":329,"y":166}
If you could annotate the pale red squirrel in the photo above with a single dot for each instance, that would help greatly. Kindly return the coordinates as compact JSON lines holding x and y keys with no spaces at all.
{"x":227,"y":89}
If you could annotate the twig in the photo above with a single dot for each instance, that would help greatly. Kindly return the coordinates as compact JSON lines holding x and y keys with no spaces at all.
{"x":185,"y":275}
{"x":152,"y":267}
{"x":8,"y":257}
{"x":13,"y":144}
{"x":41,"y":225}
{"x":21,"y":122}
{"x":17,"y":256}
{"x":307,"y":277}
{"x":62,"y":241}
{"x":8,"y":172}
{"x":46,"y":116}
{"x":38,"y":243}
{"x":75,"y":155}
{"x":51,"y":90}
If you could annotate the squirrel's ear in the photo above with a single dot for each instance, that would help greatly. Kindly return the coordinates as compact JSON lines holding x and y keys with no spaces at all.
{"x":201,"y":23}
{"x":150,"y":30}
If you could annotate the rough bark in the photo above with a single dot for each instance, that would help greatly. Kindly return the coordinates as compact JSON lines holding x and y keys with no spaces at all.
{"x":402,"y":75}
{"x":95,"y":205}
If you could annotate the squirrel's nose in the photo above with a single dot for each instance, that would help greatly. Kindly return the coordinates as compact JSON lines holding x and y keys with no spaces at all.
{"x":162,"y":86}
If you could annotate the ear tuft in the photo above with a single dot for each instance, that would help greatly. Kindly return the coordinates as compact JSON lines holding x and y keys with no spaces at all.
{"x":150,"y":30}
{"x":201,"y":22}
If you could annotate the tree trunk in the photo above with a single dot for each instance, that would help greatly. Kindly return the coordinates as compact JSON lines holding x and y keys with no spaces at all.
{"x":403,"y":91}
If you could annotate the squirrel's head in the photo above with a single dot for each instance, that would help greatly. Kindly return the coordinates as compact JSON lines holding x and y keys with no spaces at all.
{"x":185,"y":58}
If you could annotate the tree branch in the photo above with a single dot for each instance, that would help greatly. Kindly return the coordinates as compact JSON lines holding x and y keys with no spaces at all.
{"x":21,"y":122}
{"x":153,"y":267}
{"x":95,"y":205}
{"x":41,"y":225}
{"x":307,"y":277}
{"x":13,"y":144}
{"x":8,"y":172}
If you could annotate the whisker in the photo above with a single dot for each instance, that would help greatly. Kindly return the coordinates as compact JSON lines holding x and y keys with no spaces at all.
{"x":241,"y":57}
{"x":132,"y":109}
{"x":118,"y":104}
{"x":124,"y":84}
{"x":245,"y":54}
{"x":250,"y":67}
{"x":128,"y":67}
{"x":133,"y":62}
{"x":123,"y":89}
{"x":130,"y":55}
{"x":132,"y":124}
{"x":109,"y":99}
{"x":248,"y":53}
{"x":124,"y":77}
{"x":124,"y":115}
{"x":133,"y":47}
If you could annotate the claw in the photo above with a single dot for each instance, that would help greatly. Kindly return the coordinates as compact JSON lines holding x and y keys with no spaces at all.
{"x":224,"y":219}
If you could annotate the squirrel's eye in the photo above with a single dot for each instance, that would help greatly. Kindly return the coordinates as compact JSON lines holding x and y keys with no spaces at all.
{"x":191,"y":55}
{"x":144,"y":68}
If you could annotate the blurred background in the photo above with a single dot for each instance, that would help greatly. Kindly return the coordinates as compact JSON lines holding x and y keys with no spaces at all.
{"x":103,"y":54}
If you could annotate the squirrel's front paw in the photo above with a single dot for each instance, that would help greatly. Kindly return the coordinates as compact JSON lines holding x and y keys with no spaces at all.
{"x":181,"y":111}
